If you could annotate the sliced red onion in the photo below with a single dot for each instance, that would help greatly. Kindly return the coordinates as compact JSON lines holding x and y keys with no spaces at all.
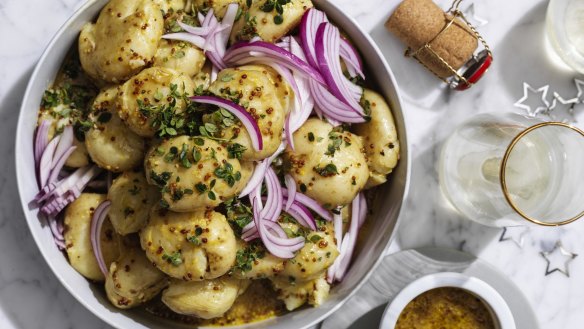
{"x":303,"y":102}
{"x":312,"y":204}
{"x":302,"y":215}
{"x":356,"y":213}
{"x":291,"y":190}
{"x":196,"y":40}
{"x":60,"y":194}
{"x":249,"y":52}
{"x":351,"y":58}
{"x":308,"y":27}
{"x":99,"y":216}
{"x":60,"y":163}
{"x":327,"y":47}
{"x":273,"y":248}
{"x":256,"y":179}
{"x":212,"y":36}
{"x":41,"y":140}
{"x":202,"y":31}
{"x":246,"y":119}
{"x":331,"y":106}
{"x":274,"y":203}
{"x":46,"y":162}
{"x":57,"y":234}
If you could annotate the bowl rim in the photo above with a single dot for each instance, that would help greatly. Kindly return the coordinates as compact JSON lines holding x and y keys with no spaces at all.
{"x":31,"y":217}
{"x":487,"y":294}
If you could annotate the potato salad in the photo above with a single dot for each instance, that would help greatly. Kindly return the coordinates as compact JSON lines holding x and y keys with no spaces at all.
{"x":211,"y":161}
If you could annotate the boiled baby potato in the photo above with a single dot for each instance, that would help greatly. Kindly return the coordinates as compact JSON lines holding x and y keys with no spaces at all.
{"x":219,"y":6}
{"x":110,"y":143}
{"x":327,"y":164}
{"x":264,"y":94}
{"x":180,"y":56}
{"x":255,"y":262}
{"x":133,"y":280}
{"x":191,"y":246}
{"x":131,"y":197}
{"x":204,"y":299}
{"x":379,"y":138}
{"x":317,"y":255}
{"x":122,"y":41}
{"x":295,"y":294}
{"x":141,"y":98}
{"x":193,"y":173}
{"x":170,"y":5}
{"x":78,"y":216}
{"x":264,"y":20}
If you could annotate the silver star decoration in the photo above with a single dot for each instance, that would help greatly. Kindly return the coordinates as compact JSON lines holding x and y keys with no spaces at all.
{"x":515,"y":234}
{"x":579,"y":86}
{"x":567,"y":105}
{"x":554,"y":258}
{"x":471,"y":15}
{"x":528,"y":108}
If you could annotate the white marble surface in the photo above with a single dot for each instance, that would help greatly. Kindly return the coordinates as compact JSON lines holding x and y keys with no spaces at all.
{"x":31,"y":297}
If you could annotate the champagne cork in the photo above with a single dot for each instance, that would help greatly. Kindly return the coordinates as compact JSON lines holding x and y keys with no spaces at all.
{"x":417,"y":22}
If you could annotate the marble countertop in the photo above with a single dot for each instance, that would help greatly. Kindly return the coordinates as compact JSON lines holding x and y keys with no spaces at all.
{"x":31,"y":297}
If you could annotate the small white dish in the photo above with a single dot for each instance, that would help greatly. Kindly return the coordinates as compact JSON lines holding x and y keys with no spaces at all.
{"x":492,"y":299}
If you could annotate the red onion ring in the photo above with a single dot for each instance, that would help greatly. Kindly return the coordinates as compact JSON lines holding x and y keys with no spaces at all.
{"x":248,"y":52}
{"x":99,"y":216}
{"x":291,"y":190}
{"x":41,"y":140}
{"x":331,"y":106}
{"x":308,"y":25}
{"x":312,"y":204}
{"x":351,"y":58}
{"x":246,"y":119}
{"x":327,"y":47}
{"x":46,"y":162}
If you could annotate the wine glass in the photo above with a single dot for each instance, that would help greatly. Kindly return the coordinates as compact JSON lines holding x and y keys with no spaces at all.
{"x":508,"y":169}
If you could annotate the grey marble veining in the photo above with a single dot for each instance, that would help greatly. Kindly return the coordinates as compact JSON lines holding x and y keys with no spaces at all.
{"x":31,"y":297}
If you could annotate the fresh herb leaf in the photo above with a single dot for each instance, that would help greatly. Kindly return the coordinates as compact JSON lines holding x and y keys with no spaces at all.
{"x":327,"y":171}
{"x":175,"y":258}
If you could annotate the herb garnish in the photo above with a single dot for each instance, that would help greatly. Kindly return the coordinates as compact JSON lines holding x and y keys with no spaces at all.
{"x":235,"y":151}
{"x":278,"y":5}
{"x":194,"y":239}
{"x":327,"y":171}
{"x":175,"y":258}
{"x":226,"y":173}
{"x":245,"y":258}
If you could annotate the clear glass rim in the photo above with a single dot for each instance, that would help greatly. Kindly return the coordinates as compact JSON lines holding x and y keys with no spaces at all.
{"x":503,"y":169}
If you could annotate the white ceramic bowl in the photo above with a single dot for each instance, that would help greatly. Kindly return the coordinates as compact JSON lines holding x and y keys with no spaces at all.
{"x":495,"y":303}
{"x":368,"y":254}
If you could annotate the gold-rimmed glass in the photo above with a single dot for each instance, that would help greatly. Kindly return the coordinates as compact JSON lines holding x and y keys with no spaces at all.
{"x":508,"y":169}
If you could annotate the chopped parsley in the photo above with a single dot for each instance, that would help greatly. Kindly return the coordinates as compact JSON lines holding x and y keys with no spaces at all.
{"x":226,"y":173}
{"x":336,"y":140}
{"x":327,"y":171}
{"x":315,"y":238}
{"x":245,"y":258}
{"x":175,"y":258}
{"x":235,"y":151}
{"x":238,"y":214}
{"x":194,"y":239}
{"x":160,"y":179}
{"x":278,"y":5}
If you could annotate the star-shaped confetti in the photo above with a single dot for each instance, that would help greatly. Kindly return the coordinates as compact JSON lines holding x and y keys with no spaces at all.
{"x":558,"y":260}
{"x":542,"y":107}
{"x":472,"y":17}
{"x":567,"y":106}
{"x":515,"y":234}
